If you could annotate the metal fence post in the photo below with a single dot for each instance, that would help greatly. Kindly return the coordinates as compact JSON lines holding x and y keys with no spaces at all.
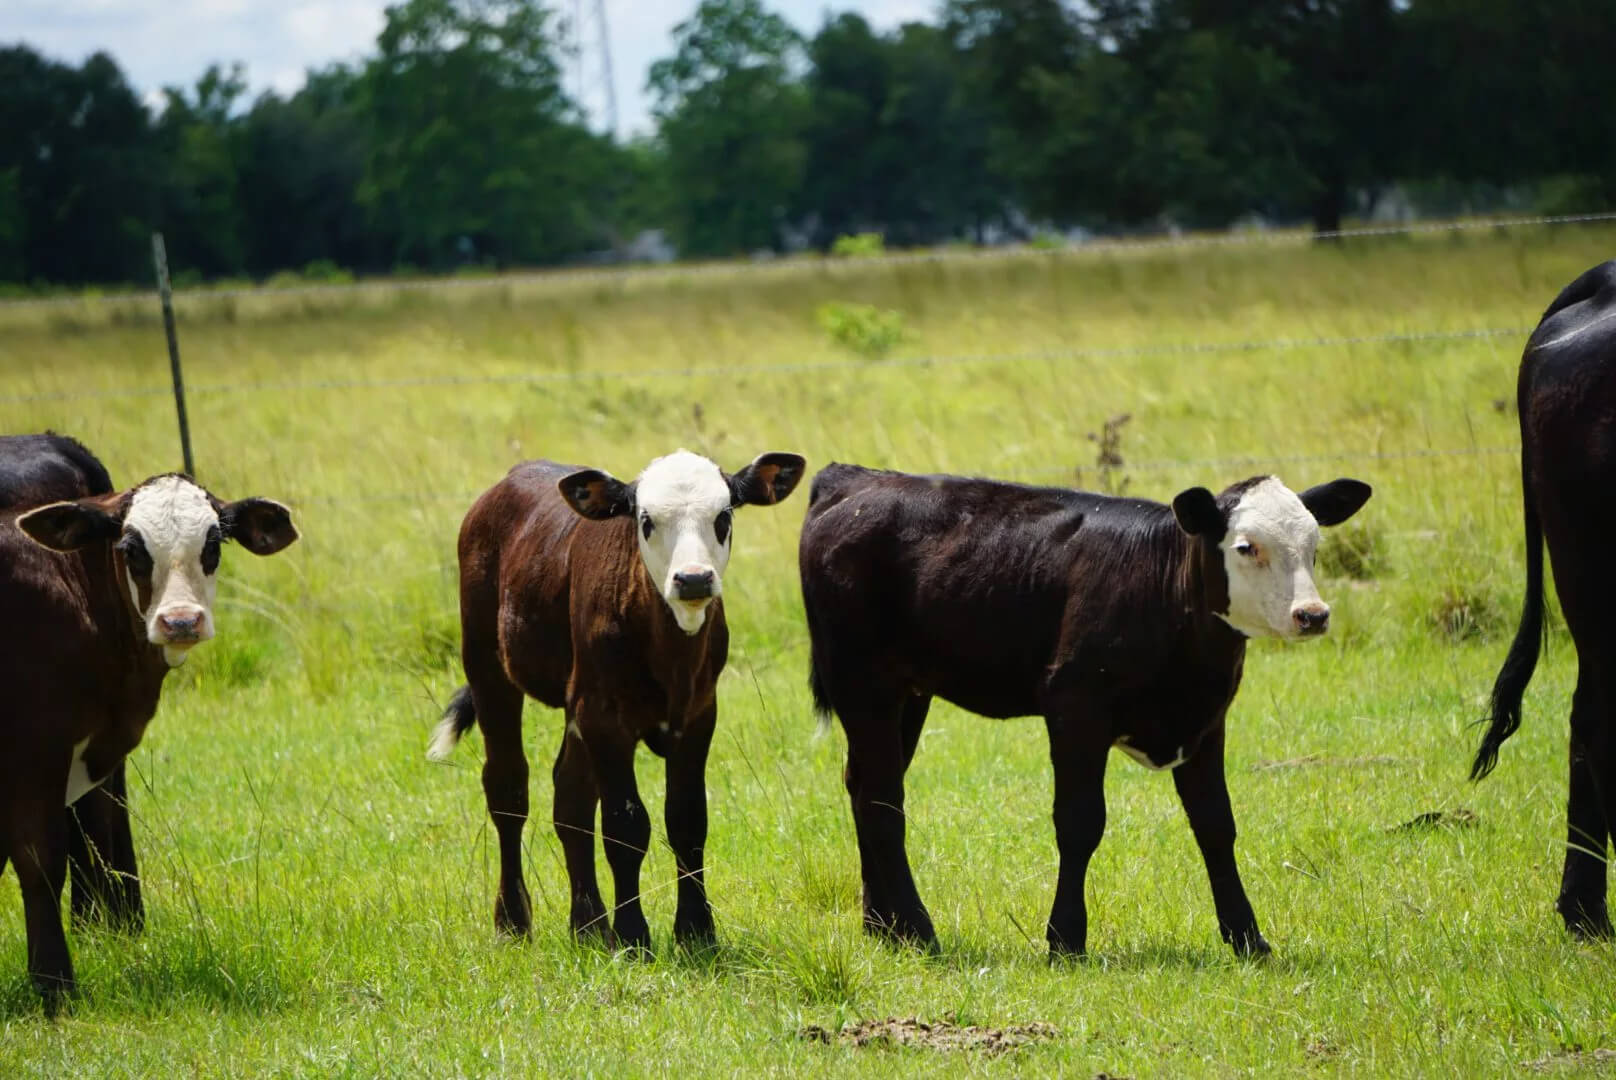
{"x":160,"y":258}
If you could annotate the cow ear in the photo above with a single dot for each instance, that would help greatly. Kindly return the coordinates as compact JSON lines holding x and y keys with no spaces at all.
{"x":1197,"y":512}
{"x":69,"y":526}
{"x":597,"y":495}
{"x":770,"y":478}
{"x":1335,"y":502}
{"x":262,"y":526}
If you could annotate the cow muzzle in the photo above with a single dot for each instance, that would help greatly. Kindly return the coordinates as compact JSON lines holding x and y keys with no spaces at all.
{"x":694,"y":585}
{"x":1311,"y":619}
{"x":182,"y":627}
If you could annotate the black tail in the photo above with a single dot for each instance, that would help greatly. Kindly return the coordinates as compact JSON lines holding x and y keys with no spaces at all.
{"x":1510,"y":686}
{"x":460,"y":714}
{"x":816,"y":683}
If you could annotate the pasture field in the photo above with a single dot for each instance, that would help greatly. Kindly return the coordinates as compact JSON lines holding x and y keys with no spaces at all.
{"x":320,"y":897}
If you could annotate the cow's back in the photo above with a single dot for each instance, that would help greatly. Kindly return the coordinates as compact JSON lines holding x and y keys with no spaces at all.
{"x":958,"y":585}
{"x":37,"y":469}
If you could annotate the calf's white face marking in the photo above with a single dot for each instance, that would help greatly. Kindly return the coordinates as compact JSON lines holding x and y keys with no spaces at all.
{"x":171,"y":556}
{"x":1268,"y":553}
{"x":683,"y":514}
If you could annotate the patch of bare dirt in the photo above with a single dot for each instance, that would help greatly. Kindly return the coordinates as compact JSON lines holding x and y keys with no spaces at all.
{"x":932,"y":1035}
{"x":1572,"y":1057}
{"x":1325,"y":761}
{"x":1433,"y":819}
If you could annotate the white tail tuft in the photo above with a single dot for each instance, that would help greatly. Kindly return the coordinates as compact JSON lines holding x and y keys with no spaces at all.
{"x":444,"y":739}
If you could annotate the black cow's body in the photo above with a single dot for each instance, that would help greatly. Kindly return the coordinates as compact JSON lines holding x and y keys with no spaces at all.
{"x":1098,"y":613}
{"x":1567,"y":397}
{"x":34,"y":470}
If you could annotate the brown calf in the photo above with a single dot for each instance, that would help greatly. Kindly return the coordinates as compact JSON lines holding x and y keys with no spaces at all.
{"x":103,"y":595}
{"x":602,"y":598}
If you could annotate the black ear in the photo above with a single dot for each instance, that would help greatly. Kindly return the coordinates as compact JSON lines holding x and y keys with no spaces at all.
{"x":262,"y":526}
{"x":1335,"y":502}
{"x":770,"y":478}
{"x":597,"y":495}
{"x":69,"y":526}
{"x":1198,"y":514}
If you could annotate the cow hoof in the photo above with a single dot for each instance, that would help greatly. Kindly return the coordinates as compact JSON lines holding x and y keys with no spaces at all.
{"x":1589,"y":921}
{"x":512,"y":920}
{"x":902,"y":933}
{"x":1061,"y":955}
{"x":695,"y":938}
{"x":1251,"y":946}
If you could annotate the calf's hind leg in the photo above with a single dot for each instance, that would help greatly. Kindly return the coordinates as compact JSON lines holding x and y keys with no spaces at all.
{"x":575,"y":800}
{"x":1582,"y":883}
{"x":499,"y":715}
{"x":881,"y":742}
{"x":101,"y":857}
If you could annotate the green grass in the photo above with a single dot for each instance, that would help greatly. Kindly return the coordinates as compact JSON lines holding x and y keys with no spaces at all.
{"x":320,"y":897}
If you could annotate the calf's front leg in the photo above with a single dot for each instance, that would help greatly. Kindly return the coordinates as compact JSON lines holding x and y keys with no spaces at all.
{"x":1205,"y":795}
{"x":38,"y":849}
{"x":685,"y":815}
{"x":625,"y":827}
{"x":1079,"y":759}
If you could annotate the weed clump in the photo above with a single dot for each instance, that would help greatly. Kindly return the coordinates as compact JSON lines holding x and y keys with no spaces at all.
{"x":1356,"y":550}
{"x":1463,"y":613}
{"x":856,"y":244}
{"x":864,"y":328}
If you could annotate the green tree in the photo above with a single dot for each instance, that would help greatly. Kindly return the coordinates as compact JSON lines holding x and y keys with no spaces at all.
{"x":730,"y":112}
{"x":200,"y":214}
{"x":78,"y":171}
{"x":301,"y":160}
{"x":471,"y":137}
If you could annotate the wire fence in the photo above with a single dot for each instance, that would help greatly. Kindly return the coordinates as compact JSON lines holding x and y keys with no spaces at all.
{"x":751,"y":267}
{"x":1187,"y":348}
{"x":1256,"y":461}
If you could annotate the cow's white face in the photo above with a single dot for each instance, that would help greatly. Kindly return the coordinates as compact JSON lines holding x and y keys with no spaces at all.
{"x":684,"y":508}
{"x":1268,"y":553}
{"x":170,"y":548}
{"x":1268,"y":536}
{"x":167,"y":534}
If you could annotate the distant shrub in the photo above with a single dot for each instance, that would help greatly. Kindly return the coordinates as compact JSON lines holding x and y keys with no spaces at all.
{"x":326,"y":272}
{"x":856,"y":244}
{"x":474,"y":270}
{"x":1355,"y":550}
{"x":189,"y":278}
{"x":864,"y":328}
{"x":283,"y":279}
{"x":1046,"y":241}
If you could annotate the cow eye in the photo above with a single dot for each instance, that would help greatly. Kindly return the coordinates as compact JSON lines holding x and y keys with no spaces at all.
{"x":721,"y":525}
{"x":1246,"y":548}
{"x":646,"y":525}
{"x":210,"y":551}
{"x":135,"y":555}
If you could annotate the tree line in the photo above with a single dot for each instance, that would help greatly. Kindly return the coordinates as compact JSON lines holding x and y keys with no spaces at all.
{"x":454,"y":143}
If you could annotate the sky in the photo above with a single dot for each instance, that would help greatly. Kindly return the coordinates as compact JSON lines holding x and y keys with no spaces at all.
{"x":162,"y":43}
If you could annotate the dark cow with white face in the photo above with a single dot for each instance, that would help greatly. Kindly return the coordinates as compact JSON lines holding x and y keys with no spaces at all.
{"x":103,"y":595}
{"x":604,"y":599}
{"x":1122,"y":622}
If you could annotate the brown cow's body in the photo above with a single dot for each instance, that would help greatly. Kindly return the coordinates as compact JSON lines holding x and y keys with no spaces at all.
{"x":103,"y":593}
{"x":34,"y":470}
{"x":559,"y":608}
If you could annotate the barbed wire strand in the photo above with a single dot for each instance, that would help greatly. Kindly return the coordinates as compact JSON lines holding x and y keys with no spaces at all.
{"x":1160,"y":465}
{"x":1283,"y":344}
{"x":642,"y":273}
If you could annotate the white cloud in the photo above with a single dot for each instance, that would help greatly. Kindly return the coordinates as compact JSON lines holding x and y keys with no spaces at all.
{"x":162,"y":43}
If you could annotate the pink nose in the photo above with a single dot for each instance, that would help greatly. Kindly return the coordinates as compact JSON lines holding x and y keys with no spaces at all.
{"x":1312,"y":618}
{"x":181,"y":624}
